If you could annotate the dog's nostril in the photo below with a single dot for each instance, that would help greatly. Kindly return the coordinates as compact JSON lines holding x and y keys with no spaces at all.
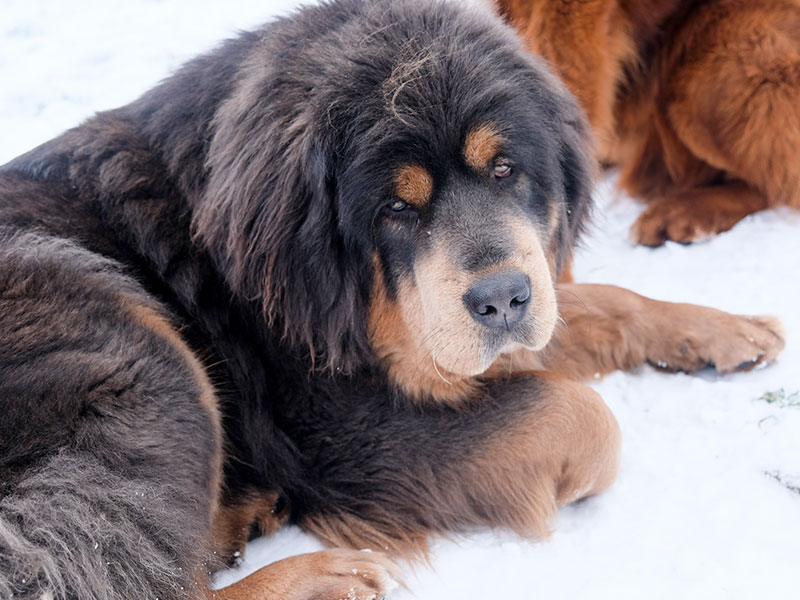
{"x":517,"y":301}
{"x":499,"y":300}
{"x":487,"y":310}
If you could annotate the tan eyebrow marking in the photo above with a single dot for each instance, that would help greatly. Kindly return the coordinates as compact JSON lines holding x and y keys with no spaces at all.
{"x":413,"y":184}
{"x":481,"y":145}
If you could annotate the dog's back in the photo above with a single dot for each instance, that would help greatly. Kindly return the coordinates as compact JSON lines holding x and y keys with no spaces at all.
{"x":110,"y":442}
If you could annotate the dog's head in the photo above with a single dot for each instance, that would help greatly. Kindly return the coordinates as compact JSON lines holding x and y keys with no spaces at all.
{"x":404,"y":187}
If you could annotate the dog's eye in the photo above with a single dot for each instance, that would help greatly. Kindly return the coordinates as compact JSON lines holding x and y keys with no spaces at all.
{"x":398,"y":205}
{"x":502,"y":170}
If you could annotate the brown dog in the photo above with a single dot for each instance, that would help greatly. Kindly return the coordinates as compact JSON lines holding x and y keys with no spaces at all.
{"x":696,"y":102}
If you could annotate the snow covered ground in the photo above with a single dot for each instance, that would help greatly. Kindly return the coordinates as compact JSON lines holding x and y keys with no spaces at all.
{"x":698,"y":510}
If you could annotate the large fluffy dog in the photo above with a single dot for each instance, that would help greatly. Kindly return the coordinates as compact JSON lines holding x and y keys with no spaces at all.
{"x":309,"y":277}
{"x":698,"y":102}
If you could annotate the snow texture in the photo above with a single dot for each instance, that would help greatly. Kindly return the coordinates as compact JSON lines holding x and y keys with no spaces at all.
{"x":704,"y":505}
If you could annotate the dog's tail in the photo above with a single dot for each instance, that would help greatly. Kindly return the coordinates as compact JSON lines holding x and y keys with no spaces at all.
{"x":73,"y":529}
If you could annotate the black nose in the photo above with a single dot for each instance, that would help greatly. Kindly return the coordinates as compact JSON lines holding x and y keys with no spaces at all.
{"x":499,"y":300}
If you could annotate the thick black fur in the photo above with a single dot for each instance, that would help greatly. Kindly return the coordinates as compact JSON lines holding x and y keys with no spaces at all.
{"x":240,"y":199}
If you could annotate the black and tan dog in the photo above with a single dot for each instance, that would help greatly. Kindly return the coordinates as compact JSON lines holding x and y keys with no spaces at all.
{"x":310,"y":278}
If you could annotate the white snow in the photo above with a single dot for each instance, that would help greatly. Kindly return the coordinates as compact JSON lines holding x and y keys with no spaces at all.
{"x":698,"y":510}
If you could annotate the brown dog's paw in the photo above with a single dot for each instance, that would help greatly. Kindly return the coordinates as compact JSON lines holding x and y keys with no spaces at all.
{"x":328,"y":575}
{"x":695,"y":215}
{"x":671,"y":220}
{"x":699,"y":337}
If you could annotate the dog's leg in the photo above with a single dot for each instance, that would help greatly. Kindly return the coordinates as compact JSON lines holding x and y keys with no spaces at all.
{"x":328,"y":575}
{"x":110,"y":448}
{"x":728,"y":106}
{"x":696,"y":214}
{"x":607,"y":328}
{"x":524,"y":443}
{"x":390,"y":473}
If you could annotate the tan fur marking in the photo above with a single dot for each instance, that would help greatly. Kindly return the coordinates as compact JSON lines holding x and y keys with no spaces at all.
{"x":481,"y":145}
{"x":389,"y":532}
{"x":560,"y":445}
{"x":566,"y":448}
{"x":233,"y":522}
{"x":329,"y":574}
{"x":410,"y":363}
{"x":413,"y":184}
{"x":207,"y":397}
{"x":554,"y":219}
{"x":531,"y":258}
{"x":452,"y":336}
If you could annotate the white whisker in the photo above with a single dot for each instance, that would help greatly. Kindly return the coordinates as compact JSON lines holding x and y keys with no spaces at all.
{"x":435,"y":368}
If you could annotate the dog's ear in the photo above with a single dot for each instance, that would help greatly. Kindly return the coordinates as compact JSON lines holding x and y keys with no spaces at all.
{"x":579,"y":173}
{"x":268,"y":215}
{"x":576,"y":168}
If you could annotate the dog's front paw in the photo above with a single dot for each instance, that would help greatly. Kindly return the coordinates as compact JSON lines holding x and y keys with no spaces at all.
{"x":668,"y":220}
{"x":695,"y":215}
{"x":328,"y":575}
{"x":699,"y":337}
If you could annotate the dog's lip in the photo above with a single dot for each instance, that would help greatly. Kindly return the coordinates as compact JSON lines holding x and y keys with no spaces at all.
{"x":516,"y":339}
{"x":485,"y":362}
{"x":515,"y":345}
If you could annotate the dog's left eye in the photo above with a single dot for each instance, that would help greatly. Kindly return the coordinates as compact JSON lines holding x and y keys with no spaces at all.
{"x":501,"y":171}
{"x":398,"y":205}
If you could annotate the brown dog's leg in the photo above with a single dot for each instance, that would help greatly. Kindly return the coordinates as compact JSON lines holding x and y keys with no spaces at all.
{"x":696,"y":214}
{"x":728,"y":103}
{"x":327,"y":575}
{"x":608,"y":328}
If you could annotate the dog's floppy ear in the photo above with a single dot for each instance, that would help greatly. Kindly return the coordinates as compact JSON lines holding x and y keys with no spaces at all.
{"x":577,"y":166}
{"x":269,"y":217}
{"x":579,"y":172}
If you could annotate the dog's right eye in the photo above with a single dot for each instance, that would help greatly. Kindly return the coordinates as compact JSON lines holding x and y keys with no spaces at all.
{"x":502,"y":170}
{"x":398,"y":205}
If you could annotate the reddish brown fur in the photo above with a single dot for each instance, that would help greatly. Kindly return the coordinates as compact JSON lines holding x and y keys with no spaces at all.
{"x":327,"y":574}
{"x":482,"y":145}
{"x":695,"y":101}
{"x":413,"y":184}
{"x":233,"y":522}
